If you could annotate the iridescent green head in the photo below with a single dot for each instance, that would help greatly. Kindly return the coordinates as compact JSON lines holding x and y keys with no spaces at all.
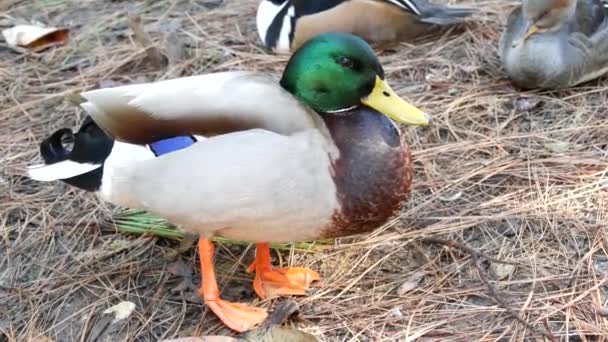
{"x":335,"y":72}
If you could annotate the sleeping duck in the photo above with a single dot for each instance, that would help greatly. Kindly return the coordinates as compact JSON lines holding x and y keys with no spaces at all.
{"x":555,"y":44}
{"x":284,"y":25}
{"x":315,"y":155}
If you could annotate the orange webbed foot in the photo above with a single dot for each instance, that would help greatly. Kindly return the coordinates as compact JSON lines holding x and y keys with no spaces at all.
{"x":271,"y":282}
{"x":237,"y":316}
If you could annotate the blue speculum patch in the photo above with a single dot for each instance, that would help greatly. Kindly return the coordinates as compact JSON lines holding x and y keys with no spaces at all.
{"x":171,"y":145}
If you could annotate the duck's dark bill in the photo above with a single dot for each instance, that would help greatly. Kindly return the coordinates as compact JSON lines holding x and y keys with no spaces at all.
{"x":386,"y":101}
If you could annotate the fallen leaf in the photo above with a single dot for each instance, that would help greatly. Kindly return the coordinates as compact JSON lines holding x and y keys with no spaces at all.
{"x":35,"y":37}
{"x":186,"y":286}
{"x":410,"y":283}
{"x":281,"y":313}
{"x":180,"y":269}
{"x":278,"y":333}
{"x":121,"y":310}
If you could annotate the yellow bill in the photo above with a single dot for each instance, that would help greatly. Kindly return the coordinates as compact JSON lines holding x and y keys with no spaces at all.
{"x":383,"y":99}
{"x":531,"y":31}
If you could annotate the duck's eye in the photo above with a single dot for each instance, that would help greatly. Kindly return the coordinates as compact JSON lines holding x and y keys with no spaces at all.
{"x":346,"y":62}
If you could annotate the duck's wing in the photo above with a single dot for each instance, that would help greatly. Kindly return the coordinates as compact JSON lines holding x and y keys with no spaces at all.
{"x":590,"y":14}
{"x":425,"y":11}
{"x":432,"y":13}
{"x":587,"y":53}
{"x":308,"y":7}
{"x":378,"y":21}
{"x":254,"y":185}
{"x":209,"y":105}
{"x":515,"y":27}
{"x":593,"y":51}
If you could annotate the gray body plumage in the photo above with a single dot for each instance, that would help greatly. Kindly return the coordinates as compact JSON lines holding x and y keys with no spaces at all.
{"x":438,"y":14}
{"x":575,"y":52}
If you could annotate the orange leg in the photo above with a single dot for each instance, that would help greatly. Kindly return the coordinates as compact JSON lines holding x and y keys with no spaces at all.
{"x":271,"y":282}
{"x":236,"y":316}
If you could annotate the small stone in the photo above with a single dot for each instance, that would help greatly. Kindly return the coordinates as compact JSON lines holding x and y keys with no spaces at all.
{"x":558,"y":147}
{"x":452,"y":197}
{"x":121,"y":310}
{"x":502,"y":271}
{"x":601,"y":266}
{"x":507,"y":227}
{"x":395,"y":313}
{"x":526,"y":104}
{"x":117,"y":245}
{"x":469,"y":69}
{"x":410,"y":283}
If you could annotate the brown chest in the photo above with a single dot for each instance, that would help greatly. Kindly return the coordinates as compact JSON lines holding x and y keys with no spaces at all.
{"x":373,"y":173}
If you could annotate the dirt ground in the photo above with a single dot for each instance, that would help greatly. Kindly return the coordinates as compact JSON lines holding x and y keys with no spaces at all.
{"x":519,"y":176}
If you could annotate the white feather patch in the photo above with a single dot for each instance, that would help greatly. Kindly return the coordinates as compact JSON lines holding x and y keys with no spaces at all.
{"x":199,"y":137}
{"x":284,"y":43}
{"x":407,"y":5}
{"x":123,"y":155}
{"x":61,"y":170}
{"x":267,"y":11}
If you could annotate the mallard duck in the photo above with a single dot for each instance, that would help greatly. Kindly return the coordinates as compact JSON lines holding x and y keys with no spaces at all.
{"x":284,"y":25}
{"x":555,"y":43}
{"x":316,"y":155}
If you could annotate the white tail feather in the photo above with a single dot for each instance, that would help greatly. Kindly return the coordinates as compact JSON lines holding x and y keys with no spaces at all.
{"x":61,"y":170}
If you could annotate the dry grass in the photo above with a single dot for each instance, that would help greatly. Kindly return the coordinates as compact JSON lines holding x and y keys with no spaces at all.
{"x":519,"y":176}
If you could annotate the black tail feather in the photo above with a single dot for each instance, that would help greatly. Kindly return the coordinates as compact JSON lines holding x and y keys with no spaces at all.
{"x":80,"y":166}
{"x":52,"y":149}
{"x":91,"y":144}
